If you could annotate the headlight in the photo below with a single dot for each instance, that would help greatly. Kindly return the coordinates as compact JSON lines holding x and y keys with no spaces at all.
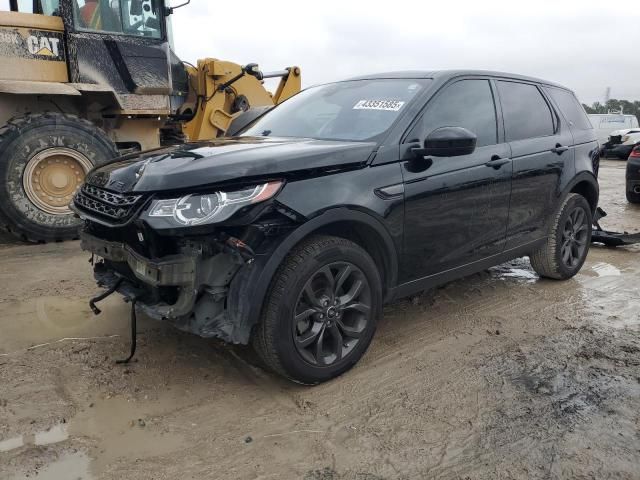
{"x":199,"y":209}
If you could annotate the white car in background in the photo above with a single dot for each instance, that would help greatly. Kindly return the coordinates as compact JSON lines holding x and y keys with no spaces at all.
{"x":621,"y":142}
{"x":606,"y":124}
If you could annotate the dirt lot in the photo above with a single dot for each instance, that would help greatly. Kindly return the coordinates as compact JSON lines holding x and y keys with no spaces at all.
{"x":499,"y":375}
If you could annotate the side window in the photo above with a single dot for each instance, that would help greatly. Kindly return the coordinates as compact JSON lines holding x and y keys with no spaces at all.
{"x":98,"y":15}
{"x":131,"y":17}
{"x":50,"y":7}
{"x":29,"y":6}
{"x":571,"y":108}
{"x":526,"y":112}
{"x":468,"y":104}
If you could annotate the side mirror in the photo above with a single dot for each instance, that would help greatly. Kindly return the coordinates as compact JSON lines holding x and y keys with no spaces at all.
{"x":448,"y":142}
{"x":169,"y":10}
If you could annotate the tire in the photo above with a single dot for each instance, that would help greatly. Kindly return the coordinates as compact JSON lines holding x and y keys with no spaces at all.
{"x":550,"y":260}
{"x":632,"y":197}
{"x":307,"y":269}
{"x":27,"y":144}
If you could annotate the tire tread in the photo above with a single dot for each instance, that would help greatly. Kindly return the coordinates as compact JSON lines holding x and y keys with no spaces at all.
{"x":13,"y":129}
{"x":264,"y":337}
{"x":543,"y":260}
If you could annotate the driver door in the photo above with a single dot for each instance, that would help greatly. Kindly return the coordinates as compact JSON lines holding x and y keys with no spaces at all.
{"x":456,"y":208}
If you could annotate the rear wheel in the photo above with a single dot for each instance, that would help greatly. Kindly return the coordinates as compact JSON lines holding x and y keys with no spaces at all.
{"x":321,"y":311}
{"x":43,"y":161}
{"x":568,"y":240}
{"x":633,"y":197}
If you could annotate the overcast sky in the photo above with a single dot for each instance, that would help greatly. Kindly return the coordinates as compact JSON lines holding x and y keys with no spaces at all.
{"x":584,"y":45}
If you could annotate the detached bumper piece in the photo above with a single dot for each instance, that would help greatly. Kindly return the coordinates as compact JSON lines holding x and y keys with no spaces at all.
{"x":132,"y":318}
{"x":611,"y":239}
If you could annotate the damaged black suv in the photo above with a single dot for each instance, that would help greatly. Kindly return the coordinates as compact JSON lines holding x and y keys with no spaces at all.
{"x":292,"y":234}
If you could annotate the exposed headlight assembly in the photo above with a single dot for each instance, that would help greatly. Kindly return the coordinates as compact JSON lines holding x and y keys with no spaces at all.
{"x":200,"y":209}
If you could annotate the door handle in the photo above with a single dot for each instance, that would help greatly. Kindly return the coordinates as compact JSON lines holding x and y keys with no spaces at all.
{"x":559,"y":149}
{"x":496,"y":162}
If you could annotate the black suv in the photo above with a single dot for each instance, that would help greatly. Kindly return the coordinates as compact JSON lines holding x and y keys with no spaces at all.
{"x":633,"y":176}
{"x":294,"y":233}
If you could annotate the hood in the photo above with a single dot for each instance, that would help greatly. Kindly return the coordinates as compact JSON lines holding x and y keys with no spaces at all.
{"x":624,"y":131}
{"x":227,"y":160}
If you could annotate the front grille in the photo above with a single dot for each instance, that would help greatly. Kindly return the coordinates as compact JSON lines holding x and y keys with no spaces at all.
{"x":103,"y":203}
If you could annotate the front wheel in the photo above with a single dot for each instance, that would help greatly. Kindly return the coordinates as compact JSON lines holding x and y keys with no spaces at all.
{"x":321,"y":311}
{"x":568,"y":240}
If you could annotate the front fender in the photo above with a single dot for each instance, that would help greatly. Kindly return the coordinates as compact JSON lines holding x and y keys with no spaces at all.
{"x":250,"y":285}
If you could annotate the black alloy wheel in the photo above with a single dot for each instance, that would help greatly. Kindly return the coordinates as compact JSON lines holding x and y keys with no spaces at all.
{"x":565,"y":249}
{"x":575,"y":237}
{"x":331,"y":313}
{"x":321,"y":311}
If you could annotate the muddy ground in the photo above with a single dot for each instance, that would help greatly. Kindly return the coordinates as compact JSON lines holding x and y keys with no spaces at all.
{"x":499,"y":375}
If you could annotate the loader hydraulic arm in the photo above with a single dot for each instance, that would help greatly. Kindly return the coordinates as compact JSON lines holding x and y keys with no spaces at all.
{"x":223,"y":90}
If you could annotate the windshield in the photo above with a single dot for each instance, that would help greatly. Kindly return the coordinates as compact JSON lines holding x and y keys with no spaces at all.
{"x":352,"y":110}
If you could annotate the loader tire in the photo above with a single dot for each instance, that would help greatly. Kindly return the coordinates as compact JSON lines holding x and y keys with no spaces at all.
{"x":43,"y":161}
{"x":568,"y":240}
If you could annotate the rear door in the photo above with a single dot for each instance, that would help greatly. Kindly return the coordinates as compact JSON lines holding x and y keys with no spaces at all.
{"x":584,"y":137}
{"x":542,"y":153}
{"x":456,"y":208}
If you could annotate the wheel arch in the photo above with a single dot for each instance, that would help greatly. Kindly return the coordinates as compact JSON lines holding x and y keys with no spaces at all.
{"x":250,"y":286}
{"x":585,"y":184}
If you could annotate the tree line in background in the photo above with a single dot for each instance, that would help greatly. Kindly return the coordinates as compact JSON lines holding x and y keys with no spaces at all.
{"x":613,"y":105}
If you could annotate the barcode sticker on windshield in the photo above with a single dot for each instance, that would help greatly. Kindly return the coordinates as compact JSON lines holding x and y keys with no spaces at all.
{"x":389,"y":105}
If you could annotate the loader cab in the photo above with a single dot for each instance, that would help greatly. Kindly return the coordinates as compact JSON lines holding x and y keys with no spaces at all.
{"x":117,"y":45}
{"x":123,"y":43}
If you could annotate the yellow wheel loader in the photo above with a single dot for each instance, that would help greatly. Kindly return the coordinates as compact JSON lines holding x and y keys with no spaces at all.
{"x":83,"y":81}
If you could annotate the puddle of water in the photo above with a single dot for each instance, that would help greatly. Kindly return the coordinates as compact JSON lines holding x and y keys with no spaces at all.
{"x":518,"y":269}
{"x":114,"y":424}
{"x":606,"y":270}
{"x":55,"y":434}
{"x":611,"y":295}
{"x":69,"y":466}
{"x":519,"y":273}
{"x":44,"y":319}
{"x":119,"y":428}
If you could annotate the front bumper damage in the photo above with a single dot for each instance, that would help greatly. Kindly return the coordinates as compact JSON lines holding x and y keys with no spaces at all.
{"x":189,"y":289}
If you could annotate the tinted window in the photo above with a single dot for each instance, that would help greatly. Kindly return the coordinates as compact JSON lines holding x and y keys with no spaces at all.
{"x":571,"y":108}
{"x":353,"y":110}
{"x":131,"y":17}
{"x":526,"y":112}
{"x":468,"y":104}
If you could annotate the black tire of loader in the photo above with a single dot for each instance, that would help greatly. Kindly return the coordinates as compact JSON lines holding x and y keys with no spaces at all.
{"x":22,"y":138}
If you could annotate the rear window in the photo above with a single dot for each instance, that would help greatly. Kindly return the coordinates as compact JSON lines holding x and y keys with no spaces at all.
{"x":571,"y":108}
{"x":526,"y":112}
